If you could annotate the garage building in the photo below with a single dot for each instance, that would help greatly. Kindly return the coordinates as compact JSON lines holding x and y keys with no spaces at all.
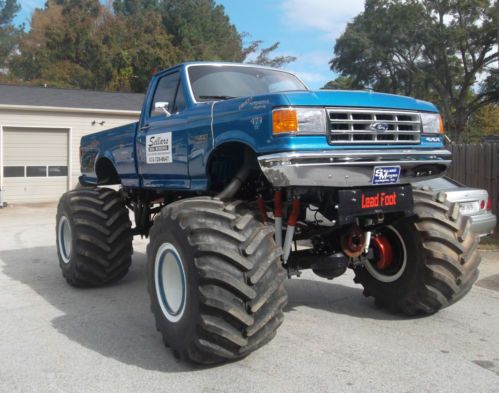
{"x":40,"y":131}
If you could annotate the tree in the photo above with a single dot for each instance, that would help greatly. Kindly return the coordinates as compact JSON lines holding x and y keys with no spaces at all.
{"x":429,"y":49}
{"x":83,"y":44}
{"x":64,"y":46}
{"x":9,"y":34}
{"x":139,"y":46}
{"x":264,"y":55}
{"x":340,"y":83}
{"x":484,"y":122}
{"x":200,"y":29}
{"x":80,"y":43}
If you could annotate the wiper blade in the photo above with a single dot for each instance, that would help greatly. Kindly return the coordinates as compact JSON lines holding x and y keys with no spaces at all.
{"x":216,"y":97}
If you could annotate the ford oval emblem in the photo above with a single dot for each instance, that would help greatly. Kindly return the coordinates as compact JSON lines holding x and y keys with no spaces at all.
{"x":379,"y":127}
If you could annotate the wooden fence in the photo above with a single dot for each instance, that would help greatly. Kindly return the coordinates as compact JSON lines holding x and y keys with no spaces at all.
{"x":477,"y":165}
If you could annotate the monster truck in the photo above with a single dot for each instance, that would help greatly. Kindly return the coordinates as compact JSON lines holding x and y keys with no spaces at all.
{"x":241,"y":177}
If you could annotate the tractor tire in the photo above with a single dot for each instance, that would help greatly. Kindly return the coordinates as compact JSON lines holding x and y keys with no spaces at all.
{"x":94,"y":238}
{"x":215,"y":280}
{"x":437,"y":260}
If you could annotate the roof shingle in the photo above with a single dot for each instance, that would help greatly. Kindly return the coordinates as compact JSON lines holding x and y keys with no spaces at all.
{"x":69,"y":98}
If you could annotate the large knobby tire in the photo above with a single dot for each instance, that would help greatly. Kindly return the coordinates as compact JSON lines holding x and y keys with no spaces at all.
{"x":441,"y":260}
{"x":94,"y":239}
{"x":215,"y":280}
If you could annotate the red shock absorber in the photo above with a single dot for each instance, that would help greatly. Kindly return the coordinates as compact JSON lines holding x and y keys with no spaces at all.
{"x":290,"y":231}
{"x":295,"y":212}
{"x":261,"y":208}
{"x":384,"y":252}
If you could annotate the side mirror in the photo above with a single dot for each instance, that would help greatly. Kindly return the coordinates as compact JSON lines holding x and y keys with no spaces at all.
{"x":162,"y":107}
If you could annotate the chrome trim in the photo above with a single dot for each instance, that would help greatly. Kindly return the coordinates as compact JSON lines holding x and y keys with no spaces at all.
{"x":354,"y":168}
{"x":349,"y":130}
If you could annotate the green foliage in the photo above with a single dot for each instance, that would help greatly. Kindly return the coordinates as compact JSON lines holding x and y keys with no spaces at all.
{"x":484,"y":122}
{"x":134,"y":7}
{"x":81,"y":43}
{"x":340,"y":83}
{"x":139,"y":46}
{"x":8,"y":33}
{"x":64,"y":46}
{"x":200,"y":29}
{"x":264,"y":55}
{"x":8,"y":9}
{"x":429,"y":49}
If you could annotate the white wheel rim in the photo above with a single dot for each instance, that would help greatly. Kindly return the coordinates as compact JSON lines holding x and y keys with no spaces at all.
{"x":392,"y":277}
{"x":169,"y":276}
{"x":65,"y":239}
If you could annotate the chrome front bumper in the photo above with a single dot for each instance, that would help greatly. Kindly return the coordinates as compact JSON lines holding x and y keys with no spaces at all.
{"x":351,"y":168}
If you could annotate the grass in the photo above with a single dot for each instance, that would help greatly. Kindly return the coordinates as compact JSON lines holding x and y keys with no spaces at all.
{"x":490,"y":243}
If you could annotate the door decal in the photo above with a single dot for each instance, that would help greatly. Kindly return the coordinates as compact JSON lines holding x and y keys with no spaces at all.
{"x":159,"y":148}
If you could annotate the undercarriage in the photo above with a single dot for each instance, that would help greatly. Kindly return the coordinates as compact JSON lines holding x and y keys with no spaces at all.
{"x":324,"y":229}
{"x":217,"y":263}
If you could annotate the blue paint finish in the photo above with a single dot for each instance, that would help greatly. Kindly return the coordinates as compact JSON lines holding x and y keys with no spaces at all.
{"x":117,"y":145}
{"x":319,"y":142}
{"x":247,"y":120}
{"x":199,"y":141}
{"x":363,"y":99}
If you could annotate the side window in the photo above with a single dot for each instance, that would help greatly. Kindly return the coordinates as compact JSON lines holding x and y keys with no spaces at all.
{"x":165,"y":92}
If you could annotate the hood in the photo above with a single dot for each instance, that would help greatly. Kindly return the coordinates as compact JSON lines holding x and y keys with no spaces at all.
{"x":352,"y":98}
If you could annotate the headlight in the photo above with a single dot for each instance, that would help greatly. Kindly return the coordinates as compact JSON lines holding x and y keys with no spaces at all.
{"x":311,"y":120}
{"x":292,"y":120}
{"x":432,"y":123}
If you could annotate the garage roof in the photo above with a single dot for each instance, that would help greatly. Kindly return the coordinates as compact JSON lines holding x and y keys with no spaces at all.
{"x":69,"y":98}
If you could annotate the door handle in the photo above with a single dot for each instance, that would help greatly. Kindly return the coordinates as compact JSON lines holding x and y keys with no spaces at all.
{"x":145,"y":127}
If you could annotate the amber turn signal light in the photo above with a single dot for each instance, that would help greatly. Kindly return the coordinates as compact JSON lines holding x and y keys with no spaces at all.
{"x":441,"y":123}
{"x":284,"y":121}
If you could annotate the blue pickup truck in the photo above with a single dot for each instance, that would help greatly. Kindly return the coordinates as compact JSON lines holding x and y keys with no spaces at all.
{"x":241,"y":176}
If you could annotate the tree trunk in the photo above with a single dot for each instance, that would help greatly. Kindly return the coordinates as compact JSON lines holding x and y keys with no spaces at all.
{"x":459,"y":125}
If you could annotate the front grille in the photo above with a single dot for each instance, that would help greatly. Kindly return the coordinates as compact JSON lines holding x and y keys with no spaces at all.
{"x":377,"y":126}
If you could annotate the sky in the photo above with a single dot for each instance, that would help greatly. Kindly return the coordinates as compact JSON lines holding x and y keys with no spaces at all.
{"x":306,"y":29}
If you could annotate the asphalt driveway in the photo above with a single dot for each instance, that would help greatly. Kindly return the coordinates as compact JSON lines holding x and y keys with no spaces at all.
{"x":54,"y":338}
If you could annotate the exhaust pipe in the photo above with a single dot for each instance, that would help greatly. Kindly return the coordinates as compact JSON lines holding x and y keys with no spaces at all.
{"x":238,"y":180}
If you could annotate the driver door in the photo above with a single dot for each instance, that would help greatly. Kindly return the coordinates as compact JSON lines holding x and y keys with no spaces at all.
{"x":162,"y":138}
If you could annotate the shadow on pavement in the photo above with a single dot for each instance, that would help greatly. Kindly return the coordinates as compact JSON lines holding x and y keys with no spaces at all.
{"x":333,"y":297}
{"x":116,"y":322}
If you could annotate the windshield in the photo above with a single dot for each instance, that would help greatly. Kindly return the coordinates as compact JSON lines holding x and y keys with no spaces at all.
{"x":211,"y":82}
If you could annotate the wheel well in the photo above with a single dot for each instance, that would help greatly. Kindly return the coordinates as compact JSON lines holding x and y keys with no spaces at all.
{"x":106,"y":172}
{"x":225,"y":161}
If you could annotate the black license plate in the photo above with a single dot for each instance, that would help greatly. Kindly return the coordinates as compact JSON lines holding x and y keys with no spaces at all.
{"x":376,"y":200}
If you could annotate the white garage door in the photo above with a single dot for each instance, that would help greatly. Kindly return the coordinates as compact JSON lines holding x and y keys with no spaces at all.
{"x":35,"y":164}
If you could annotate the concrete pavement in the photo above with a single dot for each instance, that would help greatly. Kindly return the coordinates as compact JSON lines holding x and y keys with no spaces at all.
{"x":54,"y":338}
